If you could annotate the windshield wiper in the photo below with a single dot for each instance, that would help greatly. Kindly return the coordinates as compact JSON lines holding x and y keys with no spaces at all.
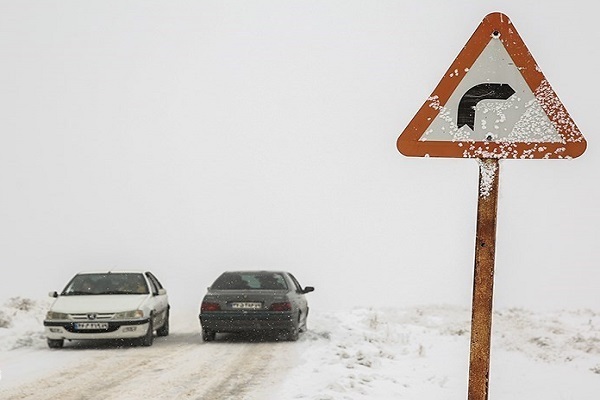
{"x":77,"y":293}
{"x":118,"y":292}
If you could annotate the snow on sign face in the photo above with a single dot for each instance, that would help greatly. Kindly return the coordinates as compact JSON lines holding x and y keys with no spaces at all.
{"x":494,"y":102}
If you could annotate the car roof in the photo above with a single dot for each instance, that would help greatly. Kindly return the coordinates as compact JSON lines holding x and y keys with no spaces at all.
{"x":255,"y":271}
{"x":124,"y":271}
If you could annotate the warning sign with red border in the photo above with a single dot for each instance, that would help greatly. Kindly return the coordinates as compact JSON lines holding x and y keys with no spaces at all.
{"x":494,"y":102}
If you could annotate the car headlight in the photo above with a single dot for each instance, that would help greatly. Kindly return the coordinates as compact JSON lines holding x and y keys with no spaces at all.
{"x":56,"y":315}
{"x":129,"y":314}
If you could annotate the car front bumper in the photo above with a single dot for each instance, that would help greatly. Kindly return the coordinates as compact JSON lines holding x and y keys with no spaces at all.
{"x":250,"y":321}
{"x":116,"y":330}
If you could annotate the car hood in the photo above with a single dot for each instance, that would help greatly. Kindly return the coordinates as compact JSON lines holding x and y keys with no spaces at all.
{"x":98,"y":303}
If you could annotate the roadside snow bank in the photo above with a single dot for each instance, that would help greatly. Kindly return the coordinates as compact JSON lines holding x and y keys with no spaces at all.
{"x":21,"y":323}
{"x":382,"y":354}
{"x":424,"y":353}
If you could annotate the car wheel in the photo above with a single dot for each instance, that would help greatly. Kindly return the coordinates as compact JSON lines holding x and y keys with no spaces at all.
{"x":56,"y":343}
{"x":293,"y":334}
{"x":164,"y":330}
{"x":148,"y":338}
{"x":304,"y":326}
{"x":208,"y":335}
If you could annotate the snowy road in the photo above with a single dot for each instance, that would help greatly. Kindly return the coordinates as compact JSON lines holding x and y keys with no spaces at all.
{"x":179,"y":366}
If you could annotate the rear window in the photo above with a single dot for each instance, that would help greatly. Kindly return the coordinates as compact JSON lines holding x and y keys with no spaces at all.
{"x":95,"y":284}
{"x":250,"y":280}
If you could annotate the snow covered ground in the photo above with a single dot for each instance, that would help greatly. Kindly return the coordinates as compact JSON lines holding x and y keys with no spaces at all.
{"x":413,"y":353}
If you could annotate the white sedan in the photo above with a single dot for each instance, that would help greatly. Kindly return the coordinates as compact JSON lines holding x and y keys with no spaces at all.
{"x":108,"y":305}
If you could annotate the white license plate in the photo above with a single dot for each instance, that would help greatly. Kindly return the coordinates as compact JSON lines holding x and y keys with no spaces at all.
{"x":91,"y":325}
{"x":246,"y":305}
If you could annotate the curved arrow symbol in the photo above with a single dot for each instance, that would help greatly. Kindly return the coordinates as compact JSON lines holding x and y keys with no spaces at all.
{"x":483,"y":91}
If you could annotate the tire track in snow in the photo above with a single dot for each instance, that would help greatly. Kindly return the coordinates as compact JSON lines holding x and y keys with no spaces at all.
{"x":244,"y":375}
{"x":180,"y":366}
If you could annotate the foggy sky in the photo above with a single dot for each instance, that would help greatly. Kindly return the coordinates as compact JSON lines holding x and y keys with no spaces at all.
{"x":188,"y":138}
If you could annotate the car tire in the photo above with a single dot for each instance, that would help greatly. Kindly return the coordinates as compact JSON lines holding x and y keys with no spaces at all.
{"x":293,"y":334}
{"x":164,"y":330}
{"x":208,"y":335}
{"x":148,"y":338}
{"x":55,"y":343}
{"x":304,"y":326}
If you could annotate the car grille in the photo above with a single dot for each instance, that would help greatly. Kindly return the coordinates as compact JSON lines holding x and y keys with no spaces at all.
{"x":92,"y":316}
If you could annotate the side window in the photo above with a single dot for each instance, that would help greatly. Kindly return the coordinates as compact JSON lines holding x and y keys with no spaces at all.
{"x":296,"y":283}
{"x":153,"y":284}
{"x":155,"y":280}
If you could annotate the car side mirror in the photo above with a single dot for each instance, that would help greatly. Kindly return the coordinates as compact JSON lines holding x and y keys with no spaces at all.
{"x":308,"y":289}
{"x":53,"y":294}
{"x":161,"y":292}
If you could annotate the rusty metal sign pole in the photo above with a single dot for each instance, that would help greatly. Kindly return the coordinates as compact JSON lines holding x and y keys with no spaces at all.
{"x":483,"y":281}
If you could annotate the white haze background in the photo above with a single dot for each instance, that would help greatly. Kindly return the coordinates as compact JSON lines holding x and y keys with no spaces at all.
{"x":190,"y":137}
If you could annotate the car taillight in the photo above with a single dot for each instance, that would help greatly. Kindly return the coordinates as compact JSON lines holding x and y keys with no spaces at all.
{"x":285,"y":306}
{"x":206,"y":306}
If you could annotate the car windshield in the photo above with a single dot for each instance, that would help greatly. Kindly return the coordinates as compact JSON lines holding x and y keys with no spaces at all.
{"x":250,"y":280}
{"x":109,"y":283}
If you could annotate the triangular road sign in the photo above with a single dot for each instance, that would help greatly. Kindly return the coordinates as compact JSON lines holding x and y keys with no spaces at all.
{"x":494,"y":102}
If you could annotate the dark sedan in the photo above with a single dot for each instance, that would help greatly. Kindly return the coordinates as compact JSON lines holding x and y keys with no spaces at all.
{"x":255,"y":301}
